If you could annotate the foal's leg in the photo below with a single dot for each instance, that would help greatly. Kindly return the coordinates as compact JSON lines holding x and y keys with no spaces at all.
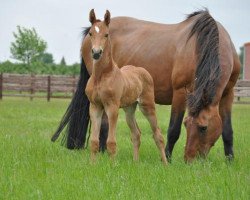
{"x":112,"y":111}
{"x":147,"y":106}
{"x":227,"y":130}
{"x":96,"y":113}
{"x":135,"y":131}
{"x":177,"y":113}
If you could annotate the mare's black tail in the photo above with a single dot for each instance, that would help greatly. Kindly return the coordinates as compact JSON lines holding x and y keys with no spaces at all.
{"x":76,"y":117}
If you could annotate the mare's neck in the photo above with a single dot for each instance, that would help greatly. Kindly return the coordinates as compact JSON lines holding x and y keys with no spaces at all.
{"x":105,"y":64}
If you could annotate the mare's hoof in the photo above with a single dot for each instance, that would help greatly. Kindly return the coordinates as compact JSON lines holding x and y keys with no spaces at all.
{"x":229,"y":158}
{"x":169,"y":158}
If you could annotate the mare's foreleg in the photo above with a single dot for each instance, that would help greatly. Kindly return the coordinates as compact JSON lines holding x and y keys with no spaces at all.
{"x":227,"y":130}
{"x":135,"y":131}
{"x":177,"y":113}
{"x":104,"y":133}
{"x":96,"y":113}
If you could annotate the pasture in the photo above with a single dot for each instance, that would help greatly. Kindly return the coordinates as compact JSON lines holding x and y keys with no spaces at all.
{"x":32,"y":167}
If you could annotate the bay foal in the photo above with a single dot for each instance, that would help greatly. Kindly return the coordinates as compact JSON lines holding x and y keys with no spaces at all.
{"x":110,"y":88}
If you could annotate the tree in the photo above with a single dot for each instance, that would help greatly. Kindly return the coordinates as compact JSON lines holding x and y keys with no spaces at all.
{"x":63,"y":62}
{"x":28,"y":46}
{"x":46,"y":58}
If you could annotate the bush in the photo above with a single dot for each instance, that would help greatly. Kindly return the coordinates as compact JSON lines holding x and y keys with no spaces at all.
{"x":39,"y":68}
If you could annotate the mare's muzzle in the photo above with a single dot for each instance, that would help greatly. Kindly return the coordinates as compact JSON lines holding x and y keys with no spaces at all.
{"x":96,"y":53}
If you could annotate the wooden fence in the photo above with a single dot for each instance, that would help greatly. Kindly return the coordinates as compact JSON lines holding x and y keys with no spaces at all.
{"x":39,"y":86}
{"x":58,"y":86}
{"x":242,"y":91}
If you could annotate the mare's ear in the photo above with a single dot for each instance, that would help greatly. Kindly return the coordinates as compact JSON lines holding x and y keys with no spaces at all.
{"x":92,"y":17}
{"x":107,"y":17}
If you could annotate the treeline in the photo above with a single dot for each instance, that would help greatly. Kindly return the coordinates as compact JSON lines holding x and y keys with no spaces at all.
{"x":39,"y":68}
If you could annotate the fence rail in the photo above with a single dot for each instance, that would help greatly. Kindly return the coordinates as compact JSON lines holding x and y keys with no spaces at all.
{"x":61,"y":86}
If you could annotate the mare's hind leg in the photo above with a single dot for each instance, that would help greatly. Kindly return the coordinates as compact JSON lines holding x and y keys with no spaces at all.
{"x":96,"y":113}
{"x":147,"y":106}
{"x":135,"y":131}
{"x":227,"y":130}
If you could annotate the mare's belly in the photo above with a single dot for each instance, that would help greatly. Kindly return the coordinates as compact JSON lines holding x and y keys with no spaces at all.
{"x":163,"y":97}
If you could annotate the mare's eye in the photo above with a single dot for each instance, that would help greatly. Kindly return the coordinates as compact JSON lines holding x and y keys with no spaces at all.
{"x":90,"y":34}
{"x":202,"y":129}
{"x":106,"y":35}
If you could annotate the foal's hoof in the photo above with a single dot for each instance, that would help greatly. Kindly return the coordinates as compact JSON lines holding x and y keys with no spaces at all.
{"x":93,"y":158}
{"x":164,"y":162}
{"x":112,"y":156}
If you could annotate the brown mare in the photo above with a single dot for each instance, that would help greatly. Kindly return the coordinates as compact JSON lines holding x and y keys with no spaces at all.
{"x":110,"y":88}
{"x":194,"y":65}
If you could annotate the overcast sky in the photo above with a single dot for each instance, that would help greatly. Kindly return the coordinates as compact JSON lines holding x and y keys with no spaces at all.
{"x":59,"y":22}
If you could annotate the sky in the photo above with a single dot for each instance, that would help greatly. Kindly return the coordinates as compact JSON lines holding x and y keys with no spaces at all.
{"x":60,"y":22}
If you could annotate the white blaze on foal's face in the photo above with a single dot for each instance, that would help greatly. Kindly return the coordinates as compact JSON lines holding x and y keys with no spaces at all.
{"x":97,"y":29}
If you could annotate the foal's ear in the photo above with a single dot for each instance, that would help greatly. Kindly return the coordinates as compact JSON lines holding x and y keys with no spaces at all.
{"x":107,"y":17}
{"x":92,"y":17}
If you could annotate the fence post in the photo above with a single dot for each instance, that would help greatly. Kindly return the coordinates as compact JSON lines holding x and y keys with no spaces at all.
{"x":32,"y":76}
{"x":48,"y":88}
{"x":1,"y":86}
{"x":73,"y":84}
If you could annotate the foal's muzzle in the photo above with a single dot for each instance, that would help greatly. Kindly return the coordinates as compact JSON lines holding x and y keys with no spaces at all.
{"x":96,"y":53}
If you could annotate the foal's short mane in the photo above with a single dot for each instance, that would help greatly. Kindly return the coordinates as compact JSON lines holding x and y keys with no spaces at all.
{"x":85,"y":31}
{"x":208,"y":67}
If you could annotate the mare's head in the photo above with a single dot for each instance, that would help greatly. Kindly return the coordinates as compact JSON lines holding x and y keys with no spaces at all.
{"x":99,"y":33}
{"x":203,"y":130}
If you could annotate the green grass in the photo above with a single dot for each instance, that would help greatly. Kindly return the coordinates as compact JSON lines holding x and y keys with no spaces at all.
{"x":31,"y":167}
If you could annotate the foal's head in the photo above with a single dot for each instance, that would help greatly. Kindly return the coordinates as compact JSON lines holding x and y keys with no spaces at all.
{"x":203,"y":130}
{"x":99,"y":33}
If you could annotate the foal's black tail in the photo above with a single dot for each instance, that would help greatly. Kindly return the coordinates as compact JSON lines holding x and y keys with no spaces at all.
{"x":76,"y":117}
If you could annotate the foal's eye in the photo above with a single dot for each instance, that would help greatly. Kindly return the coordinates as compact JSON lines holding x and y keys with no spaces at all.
{"x":202,"y":129}
{"x":90,"y":34}
{"x":106,"y":35}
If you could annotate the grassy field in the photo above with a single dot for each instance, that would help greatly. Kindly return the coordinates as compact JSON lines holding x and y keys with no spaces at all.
{"x":31,"y":167}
